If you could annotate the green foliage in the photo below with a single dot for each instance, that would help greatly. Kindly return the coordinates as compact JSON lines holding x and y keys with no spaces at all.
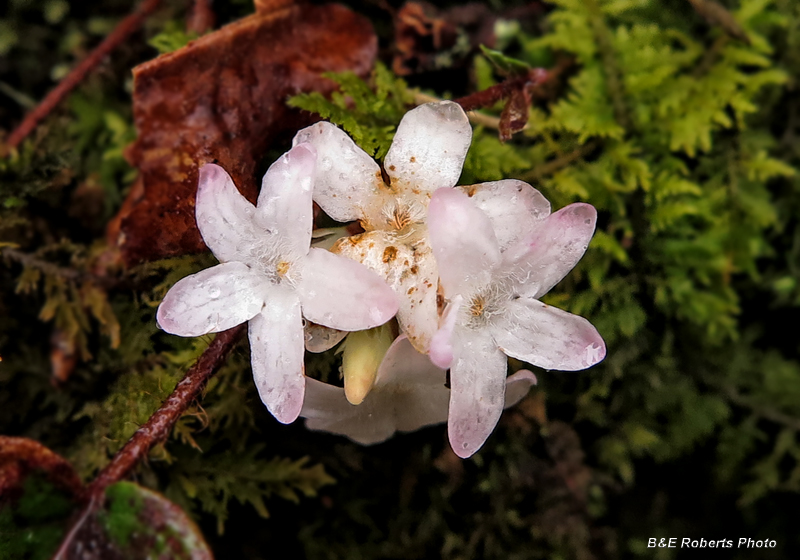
{"x":213,"y":480}
{"x":173,"y":37}
{"x":31,"y":528}
{"x":368,"y":112}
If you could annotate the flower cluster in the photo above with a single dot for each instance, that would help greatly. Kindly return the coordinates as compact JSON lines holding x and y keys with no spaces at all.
{"x":462,"y":268}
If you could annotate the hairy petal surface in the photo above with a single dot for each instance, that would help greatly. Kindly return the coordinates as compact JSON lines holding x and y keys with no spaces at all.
{"x":276,"y":354}
{"x":224,"y":217}
{"x":513,"y":207}
{"x":343,"y":294}
{"x":542,"y":259}
{"x":547,"y":337}
{"x":213,"y":300}
{"x":346,"y":178}
{"x":284,"y":204}
{"x":463,"y":242}
{"x":429,"y":147}
{"x":477,"y":379}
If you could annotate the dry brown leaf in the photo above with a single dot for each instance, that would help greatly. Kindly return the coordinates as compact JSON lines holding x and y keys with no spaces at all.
{"x":222,"y":98}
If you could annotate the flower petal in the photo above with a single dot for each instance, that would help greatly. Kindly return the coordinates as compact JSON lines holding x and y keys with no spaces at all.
{"x":340,"y":293}
{"x":518,"y":386}
{"x":542,"y":259}
{"x":515,"y":208}
{"x":326,"y":409}
{"x":319,"y":338}
{"x":403,"y":366}
{"x":547,"y":337}
{"x":478,"y":381}
{"x":410,"y":269}
{"x":346,"y":178}
{"x":441,"y":352}
{"x":429,"y":147}
{"x":463,"y":242}
{"x":213,"y":300}
{"x":276,"y":354}
{"x":284,"y":204}
{"x":224,"y":216}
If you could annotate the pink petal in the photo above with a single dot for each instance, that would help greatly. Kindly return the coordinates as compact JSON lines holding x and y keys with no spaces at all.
{"x":514,"y":208}
{"x":225,"y":218}
{"x":541,"y":260}
{"x":518,"y":386}
{"x":441,"y":352}
{"x":213,"y":300}
{"x":463,"y":242}
{"x":429,"y":147}
{"x":340,"y":293}
{"x":284,"y":204}
{"x":478,"y":381}
{"x":346,"y":178}
{"x":547,"y":337}
{"x":276,"y":355}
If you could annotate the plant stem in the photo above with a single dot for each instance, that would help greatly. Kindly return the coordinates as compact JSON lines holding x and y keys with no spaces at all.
{"x":120,"y":34}
{"x":156,"y":429}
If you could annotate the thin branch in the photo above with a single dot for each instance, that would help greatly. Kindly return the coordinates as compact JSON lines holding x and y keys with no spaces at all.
{"x":157,"y":428}
{"x":764,"y":412}
{"x":48,"y":268}
{"x":479,"y":119}
{"x":560,"y":162}
{"x":125,"y":29}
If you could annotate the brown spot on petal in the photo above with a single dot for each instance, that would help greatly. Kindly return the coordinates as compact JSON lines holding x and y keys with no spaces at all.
{"x":389,"y":254}
{"x":414,"y":269}
{"x":413,"y":159}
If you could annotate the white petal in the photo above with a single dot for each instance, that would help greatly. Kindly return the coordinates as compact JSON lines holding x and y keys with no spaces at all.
{"x":515,"y":208}
{"x":326,"y":409}
{"x":547,"y":337}
{"x":340,"y":293}
{"x":404,"y":366}
{"x":478,"y":381}
{"x":429,"y":147}
{"x":276,"y":354}
{"x":541,"y":260}
{"x":319,"y":338}
{"x":409,"y":394}
{"x":463,"y":242}
{"x":346,"y":177}
{"x":213,"y":300}
{"x":224,"y":217}
{"x":518,"y":386}
{"x":441,"y":352}
{"x":410,"y":269}
{"x":284,"y":204}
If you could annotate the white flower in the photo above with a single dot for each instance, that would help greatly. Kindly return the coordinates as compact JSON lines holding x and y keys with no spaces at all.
{"x":428,"y":152}
{"x":271,"y":278}
{"x":493,"y":310}
{"x":409,"y":393}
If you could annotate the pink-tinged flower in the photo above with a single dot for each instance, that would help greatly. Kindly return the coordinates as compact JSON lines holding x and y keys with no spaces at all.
{"x":427,"y":154}
{"x":492,"y":300}
{"x":409,"y":394}
{"x":270,"y":277}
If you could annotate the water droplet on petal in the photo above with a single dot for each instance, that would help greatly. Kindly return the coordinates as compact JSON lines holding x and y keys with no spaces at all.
{"x":213,"y":292}
{"x":325,"y":164}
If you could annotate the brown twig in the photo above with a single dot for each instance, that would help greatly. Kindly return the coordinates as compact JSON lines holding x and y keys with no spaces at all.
{"x":560,"y":162}
{"x":157,"y":428}
{"x":491,"y":95}
{"x":120,"y":34}
{"x":201,"y":18}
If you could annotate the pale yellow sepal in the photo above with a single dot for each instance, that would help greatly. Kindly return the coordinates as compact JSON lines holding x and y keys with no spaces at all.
{"x":363,"y":353}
